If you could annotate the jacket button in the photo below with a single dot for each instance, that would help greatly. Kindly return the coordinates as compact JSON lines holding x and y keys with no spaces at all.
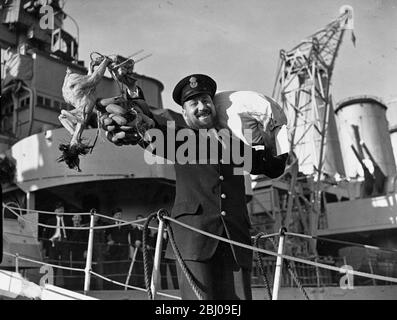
{"x":223,"y":213}
{"x":223,"y":196}
{"x":221,"y":178}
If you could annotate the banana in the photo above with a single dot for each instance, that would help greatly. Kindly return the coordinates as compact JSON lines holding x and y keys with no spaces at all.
{"x":127,"y":128}
{"x":118,"y":136}
{"x":107,"y":121}
{"x":116,"y":109}
{"x":120,"y":120}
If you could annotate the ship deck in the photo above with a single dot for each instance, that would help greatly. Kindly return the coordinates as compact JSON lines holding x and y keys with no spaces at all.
{"x":323,"y":293}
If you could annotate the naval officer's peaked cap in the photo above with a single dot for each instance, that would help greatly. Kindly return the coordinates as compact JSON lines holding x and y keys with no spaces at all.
{"x":193,"y":85}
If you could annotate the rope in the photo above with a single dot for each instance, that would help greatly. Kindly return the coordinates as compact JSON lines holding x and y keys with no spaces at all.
{"x":160,"y":214}
{"x":325,"y":266}
{"x":182,"y":264}
{"x":82,"y":270}
{"x":47,"y":212}
{"x":132,"y":287}
{"x":136,"y":222}
{"x":42,"y":263}
{"x":124,"y":223}
{"x":261,"y":267}
{"x":184,"y":268}
{"x":65,"y":227}
{"x":292,"y":271}
{"x":75,"y":213}
{"x":145,"y":255}
{"x":341,"y":242}
{"x":265,"y":235}
{"x":290,"y":267}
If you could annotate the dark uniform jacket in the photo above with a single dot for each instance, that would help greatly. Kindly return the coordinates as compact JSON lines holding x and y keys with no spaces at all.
{"x":210,"y":197}
{"x":77,"y":242}
{"x":120,"y":249}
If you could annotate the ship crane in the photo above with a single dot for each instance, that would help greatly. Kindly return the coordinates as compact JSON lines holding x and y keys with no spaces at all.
{"x":302,"y":87}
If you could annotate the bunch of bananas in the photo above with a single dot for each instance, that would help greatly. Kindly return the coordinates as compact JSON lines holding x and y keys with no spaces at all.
{"x":123,"y":120}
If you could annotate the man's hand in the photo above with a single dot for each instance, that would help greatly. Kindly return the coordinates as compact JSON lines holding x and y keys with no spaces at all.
{"x":138,"y":243}
{"x":123,"y":121}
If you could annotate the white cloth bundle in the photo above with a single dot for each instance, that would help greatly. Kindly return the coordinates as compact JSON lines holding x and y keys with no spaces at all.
{"x":243,"y":110}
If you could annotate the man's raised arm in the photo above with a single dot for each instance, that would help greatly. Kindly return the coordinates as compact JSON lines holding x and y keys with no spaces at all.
{"x":263,"y":162}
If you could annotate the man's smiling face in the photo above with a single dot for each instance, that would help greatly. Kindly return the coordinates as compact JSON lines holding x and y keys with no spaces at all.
{"x":199,"y":112}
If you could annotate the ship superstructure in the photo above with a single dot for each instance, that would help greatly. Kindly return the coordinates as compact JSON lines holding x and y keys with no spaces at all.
{"x":34,"y":63}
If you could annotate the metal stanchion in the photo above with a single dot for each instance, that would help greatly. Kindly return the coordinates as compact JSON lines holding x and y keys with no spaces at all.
{"x":17,"y":263}
{"x":88,"y":262}
{"x":156,"y":276}
{"x":371,"y":269}
{"x":131,"y":268}
{"x":318,"y":280}
{"x":279,"y":265}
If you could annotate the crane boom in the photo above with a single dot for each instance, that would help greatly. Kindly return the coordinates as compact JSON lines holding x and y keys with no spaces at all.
{"x":302,"y":88}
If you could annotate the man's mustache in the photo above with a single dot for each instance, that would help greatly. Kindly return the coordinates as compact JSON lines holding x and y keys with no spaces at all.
{"x":204,"y":112}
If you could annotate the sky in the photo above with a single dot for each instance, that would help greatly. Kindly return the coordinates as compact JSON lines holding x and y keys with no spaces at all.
{"x":237,"y":42}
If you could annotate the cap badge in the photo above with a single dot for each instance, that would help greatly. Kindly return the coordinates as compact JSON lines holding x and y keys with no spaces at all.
{"x":193,"y":82}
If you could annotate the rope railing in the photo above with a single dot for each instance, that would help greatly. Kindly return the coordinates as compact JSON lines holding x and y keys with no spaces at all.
{"x":123,"y":222}
{"x":309,"y":278}
{"x":360,"y":245}
{"x":265,"y":235}
{"x":151,"y":283}
{"x":132,"y":287}
{"x":140,"y":222}
{"x":82,"y":270}
{"x":17,"y":256}
{"x":116,"y":282}
{"x":136,"y":222}
{"x":48,"y":212}
{"x":358,"y":273}
{"x":261,"y":266}
{"x":284,"y":256}
{"x":279,"y":254}
{"x":196,"y":289}
{"x":291,"y":268}
{"x":88,"y":265}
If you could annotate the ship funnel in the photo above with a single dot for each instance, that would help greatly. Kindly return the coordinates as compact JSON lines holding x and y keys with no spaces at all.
{"x":362,"y":119}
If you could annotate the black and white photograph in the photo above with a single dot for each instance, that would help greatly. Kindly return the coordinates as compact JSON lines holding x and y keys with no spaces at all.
{"x":175,"y":151}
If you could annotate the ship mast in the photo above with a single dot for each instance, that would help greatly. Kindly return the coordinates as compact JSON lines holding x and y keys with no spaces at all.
{"x":302,"y":87}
